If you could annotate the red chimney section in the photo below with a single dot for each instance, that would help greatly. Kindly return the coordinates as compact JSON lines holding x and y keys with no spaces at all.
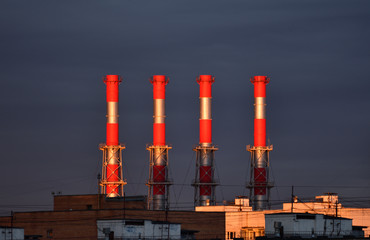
{"x":205,"y":97}
{"x":260,"y":116}
{"x":159,"y":130}
{"x":159,"y":94}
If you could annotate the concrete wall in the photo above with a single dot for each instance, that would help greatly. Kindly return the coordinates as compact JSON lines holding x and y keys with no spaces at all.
{"x":148,"y":229}
{"x":359,"y":216}
{"x":234,"y":223}
{"x":222,"y":208}
{"x":11,"y":233}
{"x":308,"y":225}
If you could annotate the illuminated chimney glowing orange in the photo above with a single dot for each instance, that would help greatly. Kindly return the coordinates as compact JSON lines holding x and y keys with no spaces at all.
{"x":158,"y":183}
{"x":205,"y":183}
{"x":259,"y":184}
{"x":112,"y":181}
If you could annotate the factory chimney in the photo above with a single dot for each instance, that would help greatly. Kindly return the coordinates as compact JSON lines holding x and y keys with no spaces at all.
{"x":111,"y":183}
{"x":158,"y":183}
{"x":259,"y":183}
{"x":204,"y":183}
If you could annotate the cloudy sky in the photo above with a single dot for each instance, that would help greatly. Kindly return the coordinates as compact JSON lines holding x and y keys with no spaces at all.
{"x":53,"y":55}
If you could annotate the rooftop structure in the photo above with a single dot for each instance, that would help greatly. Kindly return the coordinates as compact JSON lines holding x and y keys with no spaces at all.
{"x":243,"y":222}
{"x":306,"y":225}
{"x":138,"y":229}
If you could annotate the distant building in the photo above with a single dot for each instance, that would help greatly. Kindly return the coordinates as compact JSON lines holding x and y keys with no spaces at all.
{"x":82,"y":217}
{"x":242,"y":222}
{"x":77,"y":216}
{"x":11,"y":233}
{"x":329,"y":204}
{"x":306,"y":225}
{"x":236,"y":218}
{"x":138,"y":229}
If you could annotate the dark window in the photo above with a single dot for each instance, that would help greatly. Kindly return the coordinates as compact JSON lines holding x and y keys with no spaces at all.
{"x":137,"y":223}
{"x":49,"y":233}
{"x":305,"y":216}
{"x":111,"y":235}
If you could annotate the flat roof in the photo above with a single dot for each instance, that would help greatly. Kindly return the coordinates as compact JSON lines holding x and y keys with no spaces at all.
{"x":308,"y":214}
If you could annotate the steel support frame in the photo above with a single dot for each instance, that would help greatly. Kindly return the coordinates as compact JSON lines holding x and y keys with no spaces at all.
{"x":256,"y":162}
{"x":103,"y":182}
{"x":197,"y":183}
{"x":151,"y":205}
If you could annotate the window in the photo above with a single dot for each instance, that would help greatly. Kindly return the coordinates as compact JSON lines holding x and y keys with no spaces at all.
{"x":49,"y":233}
{"x":231,"y":235}
{"x":306,"y":216}
{"x":136,"y":223}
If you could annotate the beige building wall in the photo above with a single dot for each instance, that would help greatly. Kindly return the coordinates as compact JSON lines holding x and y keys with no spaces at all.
{"x":235,"y":218}
{"x":242,"y":222}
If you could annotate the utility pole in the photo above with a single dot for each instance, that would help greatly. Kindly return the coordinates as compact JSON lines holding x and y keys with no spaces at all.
{"x":124,"y":206}
{"x":292,"y":199}
{"x":11,"y":225}
{"x":168,"y":224}
{"x":99,"y":178}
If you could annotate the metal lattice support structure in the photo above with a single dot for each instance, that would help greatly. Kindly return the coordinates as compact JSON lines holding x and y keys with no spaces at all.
{"x":259,"y":184}
{"x":110,"y":171}
{"x":205,"y":183}
{"x":159,"y":182}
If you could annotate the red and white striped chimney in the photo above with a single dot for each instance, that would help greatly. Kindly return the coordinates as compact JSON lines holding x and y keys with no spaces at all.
{"x":158,"y":173}
{"x":204,"y":181}
{"x":259,"y":183}
{"x":111,"y":182}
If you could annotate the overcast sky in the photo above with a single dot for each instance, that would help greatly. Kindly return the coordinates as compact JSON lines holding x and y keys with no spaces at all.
{"x":53,"y":55}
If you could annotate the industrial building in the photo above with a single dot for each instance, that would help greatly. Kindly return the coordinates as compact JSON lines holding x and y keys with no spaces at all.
{"x":306,"y":225}
{"x":242,"y":222}
{"x":330,"y":205}
{"x":81,"y":216}
{"x":77,"y":217}
{"x":138,"y":229}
